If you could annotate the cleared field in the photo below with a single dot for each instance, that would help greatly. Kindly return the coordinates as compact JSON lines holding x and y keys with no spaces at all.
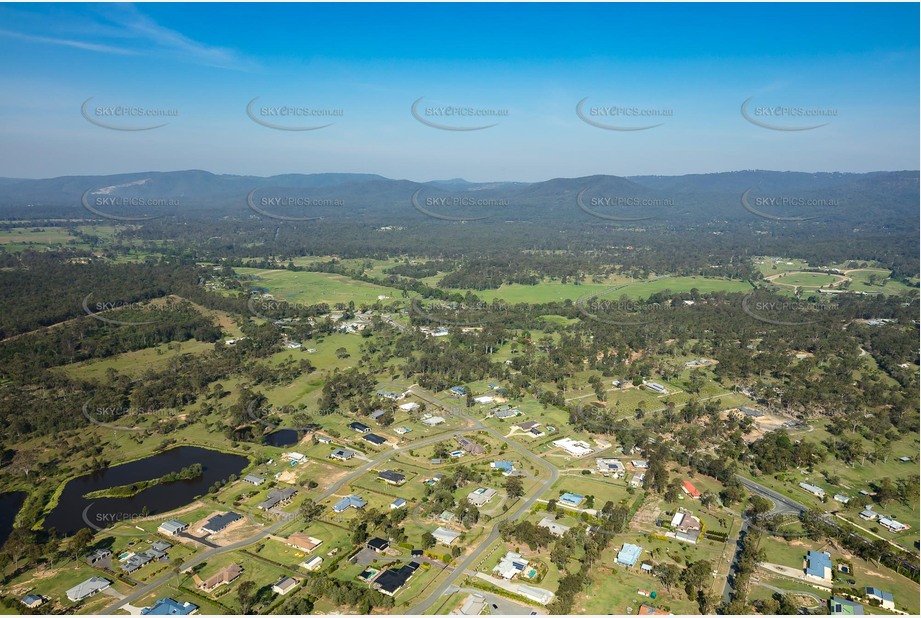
{"x":806,"y":280}
{"x":313,"y":288}
{"x":556,"y":291}
{"x":135,"y":364}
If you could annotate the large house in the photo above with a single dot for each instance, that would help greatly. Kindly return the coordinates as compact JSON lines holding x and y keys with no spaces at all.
{"x":510,"y":565}
{"x":628,"y":555}
{"x":303,"y":542}
{"x":170,"y":607}
{"x":818,"y":492}
{"x":885,"y":599}
{"x":277,"y":497}
{"x":892,"y":525}
{"x":349,"y":502}
{"x":551,"y":525}
{"x":226,"y":575}
{"x":359,"y":427}
{"x":479,"y":497}
{"x":88,"y":588}
{"x":818,"y":566}
{"x":571,"y":500}
{"x":470,"y":446}
{"x":445,"y":536}
{"x":842,"y":607}
{"x":392,"y":478}
{"x":576,"y":448}
{"x":220,"y":521}
{"x":610,"y":466}
{"x":687,"y":527}
{"x":374,"y":439}
{"x":341,"y":454}
{"x":688,"y":488}
{"x":392,"y":580}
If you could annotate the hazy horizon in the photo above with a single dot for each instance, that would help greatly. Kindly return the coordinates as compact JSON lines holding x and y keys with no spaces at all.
{"x":568,"y":92}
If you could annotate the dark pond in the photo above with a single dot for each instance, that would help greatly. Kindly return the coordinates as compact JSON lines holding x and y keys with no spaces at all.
{"x":73,"y":511}
{"x":10,"y":503}
{"x":282,"y":437}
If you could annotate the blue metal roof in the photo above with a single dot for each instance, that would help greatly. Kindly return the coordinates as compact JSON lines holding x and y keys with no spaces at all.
{"x":817,"y":562}
{"x":169,"y":607}
{"x":572,"y":498}
{"x":629,"y":554}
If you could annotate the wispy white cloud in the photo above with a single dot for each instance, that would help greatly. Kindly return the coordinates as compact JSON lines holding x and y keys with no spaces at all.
{"x":137,"y":34}
{"x":96,"y":47}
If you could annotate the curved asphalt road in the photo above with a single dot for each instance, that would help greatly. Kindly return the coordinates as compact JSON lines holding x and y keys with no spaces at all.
{"x":494,"y":533}
{"x":332,"y":489}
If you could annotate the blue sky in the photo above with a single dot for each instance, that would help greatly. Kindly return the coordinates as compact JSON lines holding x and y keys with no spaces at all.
{"x":856,"y":65}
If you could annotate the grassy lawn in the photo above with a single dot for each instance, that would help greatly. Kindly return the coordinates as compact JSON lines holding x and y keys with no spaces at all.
{"x":135,"y":364}
{"x":314,"y":288}
{"x":550,"y":291}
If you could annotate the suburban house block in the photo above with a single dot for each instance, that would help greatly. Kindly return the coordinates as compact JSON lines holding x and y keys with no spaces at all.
{"x":629,"y":554}
{"x":225,"y":576}
{"x":88,"y":588}
{"x":569,"y":499}
{"x":277,"y":497}
{"x":341,"y":454}
{"x":842,"y":607}
{"x":688,"y":488}
{"x":818,"y":566}
{"x":349,"y":502}
{"x":818,"y":492}
{"x":470,"y":446}
{"x":892,"y":525}
{"x":392,"y":580}
{"x":284,"y":585}
{"x":510,"y":565}
{"x":170,"y":607}
{"x":374,"y":439}
{"x":303,"y":542}
{"x":576,"y":448}
{"x":479,"y":497}
{"x":220,"y":521}
{"x":445,"y":536}
{"x":392,"y":478}
{"x":551,"y":525}
{"x":886,"y":600}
